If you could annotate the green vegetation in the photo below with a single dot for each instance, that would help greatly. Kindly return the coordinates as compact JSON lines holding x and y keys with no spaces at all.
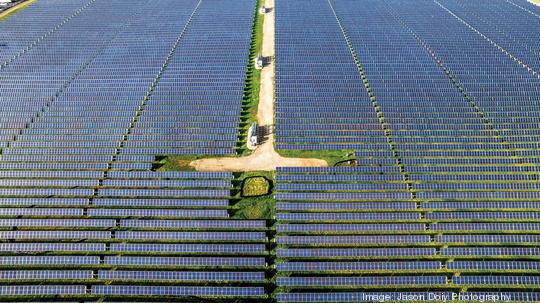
{"x":175,"y":163}
{"x":255,"y":208}
{"x":179,"y":162}
{"x":252,"y":86}
{"x":260,"y":207}
{"x":333,"y":157}
{"x":255,"y":187}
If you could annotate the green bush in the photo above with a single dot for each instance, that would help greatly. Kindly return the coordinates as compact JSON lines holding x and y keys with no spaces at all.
{"x":255,"y":187}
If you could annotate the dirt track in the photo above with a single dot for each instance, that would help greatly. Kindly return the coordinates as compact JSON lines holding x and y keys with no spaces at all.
{"x":264,"y":157}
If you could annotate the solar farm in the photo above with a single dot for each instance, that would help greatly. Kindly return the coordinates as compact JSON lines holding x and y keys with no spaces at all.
{"x":426,"y":113}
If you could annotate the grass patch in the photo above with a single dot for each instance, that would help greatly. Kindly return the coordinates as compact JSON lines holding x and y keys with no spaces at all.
{"x":179,"y":162}
{"x":8,"y":12}
{"x":255,"y":208}
{"x":333,"y":157}
{"x":255,"y":187}
{"x":261,"y":207}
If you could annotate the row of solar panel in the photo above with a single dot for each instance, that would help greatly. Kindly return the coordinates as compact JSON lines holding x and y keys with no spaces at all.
{"x":437,"y":195}
{"x":137,"y":261}
{"x":114,"y":212}
{"x":161,"y":224}
{"x":286,"y":228}
{"x":77,"y":192}
{"x":259,"y":276}
{"x":74,"y":158}
{"x":301,"y":267}
{"x":405,"y":227}
{"x":405,"y":239}
{"x":375,"y":187}
{"x":155,"y":203}
{"x":136,"y":235}
{"x":132,"y":275}
{"x":404,"y":281}
{"x":155,"y":137}
{"x":181,"y":291}
{"x":134,"y":248}
{"x":395,"y":216}
{"x":476,"y":206}
{"x":387,"y":252}
{"x":75,"y":144}
{"x":408,"y":295}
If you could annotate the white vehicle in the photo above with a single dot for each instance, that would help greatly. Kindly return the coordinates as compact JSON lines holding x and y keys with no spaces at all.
{"x":253,"y":134}
{"x":259,"y":63}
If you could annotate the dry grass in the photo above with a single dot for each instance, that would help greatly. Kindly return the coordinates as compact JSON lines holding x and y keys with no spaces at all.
{"x":537,"y":2}
{"x":255,"y":186}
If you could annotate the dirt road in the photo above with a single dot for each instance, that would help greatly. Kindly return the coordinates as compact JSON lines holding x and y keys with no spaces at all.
{"x":264,"y":158}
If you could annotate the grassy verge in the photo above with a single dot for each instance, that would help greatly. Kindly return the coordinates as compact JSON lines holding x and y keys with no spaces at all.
{"x":180,"y":162}
{"x":262,"y":207}
{"x":255,"y":208}
{"x":333,"y":157}
{"x":15,"y":8}
{"x":252,"y":86}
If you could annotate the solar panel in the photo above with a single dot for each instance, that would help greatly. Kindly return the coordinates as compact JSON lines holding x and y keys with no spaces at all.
{"x":490,"y":251}
{"x":161,"y":202}
{"x":159,"y":213}
{"x":497,"y":280}
{"x":344,"y":228}
{"x":358,"y":281}
{"x":180,"y":276}
{"x":32,"y":290}
{"x":49,"y":260}
{"x":190,"y":248}
{"x":55,"y":235}
{"x":195,"y":224}
{"x":350,"y":240}
{"x":358,"y":296}
{"x":191,"y":236}
{"x":354,"y":252}
{"x":182,"y":291}
{"x":45,"y":275}
{"x":187,"y":261}
{"x":356,"y":266}
{"x":493,"y":265}
{"x":96,"y":223}
{"x":509,"y":296}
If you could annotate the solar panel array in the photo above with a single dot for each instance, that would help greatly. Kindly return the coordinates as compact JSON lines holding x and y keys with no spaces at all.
{"x":319,"y":102}
{"x":92,"y":91}
{"x":370,"y":245}
{"x":129,"y":89}
{"x":445,"y":195}
{"x":438,"y":99}
{"x":117,"y":236}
